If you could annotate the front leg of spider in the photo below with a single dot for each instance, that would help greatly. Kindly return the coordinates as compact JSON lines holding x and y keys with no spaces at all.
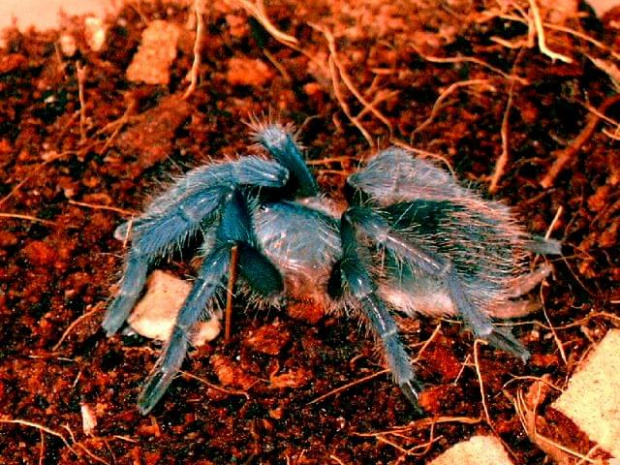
{"x":191,"y":204}
{"x":234,"y":229}
{"x":354,"y":268}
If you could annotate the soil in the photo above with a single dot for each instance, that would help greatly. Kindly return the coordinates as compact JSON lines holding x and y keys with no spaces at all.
{"x":459,"y":81}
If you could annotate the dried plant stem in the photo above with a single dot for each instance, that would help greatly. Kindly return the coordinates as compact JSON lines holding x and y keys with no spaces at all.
{"x":40,"y":427}
{"x":232,"y":279}
{"x":481,"y":383}
{"x":540,"y":33}
{"x":75,"y":322}
{"x":502,"y":161}
{"x":17,"y":216}
{"x":477,"y":61}
{"x":348,"y":385}
{"x":200,"y":32}
{"x":564,"y":156}
{"x":257,"y":10}
{"x":81,"y":77}
{"x":103,"y":207}
{"x":444,"y":95}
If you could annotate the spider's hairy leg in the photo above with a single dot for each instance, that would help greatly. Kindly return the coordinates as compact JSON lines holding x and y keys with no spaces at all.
{"x":177,"y":214}
{"x":374,"y":226}
{"x":280,"y":143}
{"x":234,"y":229}
{"x":212,"y":272}
{"x":363,"y":289}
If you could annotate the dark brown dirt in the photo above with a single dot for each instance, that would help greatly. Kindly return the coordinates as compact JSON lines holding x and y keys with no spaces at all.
{"x":73,"y":181}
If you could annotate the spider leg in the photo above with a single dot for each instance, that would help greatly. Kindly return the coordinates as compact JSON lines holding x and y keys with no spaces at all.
{"x":177,"y":214}
{"x":361,"y":285}
{"x":234,"y":229}
{"x":279,"y":142}
{"x":378,"y":229}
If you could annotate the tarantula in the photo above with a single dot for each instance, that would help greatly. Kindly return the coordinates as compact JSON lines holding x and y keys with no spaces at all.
{"x":411,"y":240}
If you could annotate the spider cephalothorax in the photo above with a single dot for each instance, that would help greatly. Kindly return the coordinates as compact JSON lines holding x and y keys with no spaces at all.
{"x":411,"y":240}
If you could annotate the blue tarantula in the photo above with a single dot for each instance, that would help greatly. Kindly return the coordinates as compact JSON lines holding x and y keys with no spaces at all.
{"x":410,"y":240}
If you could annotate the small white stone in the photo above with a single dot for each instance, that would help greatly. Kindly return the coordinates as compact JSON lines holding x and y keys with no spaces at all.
{"x":95,"y":33}
{"x":154,"y":316}
{"x":89,"y":420}
{"x":68,"y":47}
{"x":478,"y":450}
{"x":592,"y":399}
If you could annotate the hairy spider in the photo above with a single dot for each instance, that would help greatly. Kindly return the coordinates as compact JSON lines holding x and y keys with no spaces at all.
{"x":412,"y":239}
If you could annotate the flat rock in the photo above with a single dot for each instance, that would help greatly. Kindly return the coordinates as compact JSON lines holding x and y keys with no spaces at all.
{"x":479,"y":450}
{"x":155,"y":314}
{"x":592,"y":399}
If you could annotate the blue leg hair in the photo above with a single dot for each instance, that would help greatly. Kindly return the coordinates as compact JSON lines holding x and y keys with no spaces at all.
{"x":136,"y":269}
{"x":363,"y":289}
{"x":234,"y":228}
{"x":178,"y":213}
{"x":375,"y":227}
{"x":212,"y":272}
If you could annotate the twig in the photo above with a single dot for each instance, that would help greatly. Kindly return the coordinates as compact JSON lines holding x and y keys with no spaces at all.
{"x":500,"y":165}
{"x":556,"y":338}
{"x":481,"y":383}
{"x":331,"y":43}
{"x":554,"y":222}
{"x":336,"y":459}
{"x":540,"y":33}
{"x":449,"y":90}
{"x":200,"y":32}
{"x":421,"y":424}
{"x":103,"y":207}
{"x":232,"y":279}
{"x":564,"y":156}
{"x":258,"y":12}
{"x":345,"y":106}
{"x":26,"y":217}
{"x":477,"y":61}
{"x":75,"y":322}
{"x":42,"y":448}
{"x":81,"y":76}
{"x":427,"y":343}
{"x":348,"y":385}
{"x":214,"y":386}
{"x":40,"y":428}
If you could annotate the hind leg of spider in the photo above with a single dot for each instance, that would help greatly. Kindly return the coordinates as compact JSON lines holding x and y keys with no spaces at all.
{"x":234,"y":230}
{"x":178,"y":213}
{"x":363,"y":289}
{"x":377,"y":229}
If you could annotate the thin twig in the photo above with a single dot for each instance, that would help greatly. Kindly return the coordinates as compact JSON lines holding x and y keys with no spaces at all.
{"x":477,"y":61}
{"x":75,"y":322}
{"x":17,"y":216}
{"x":502,"y":161}
{"x":232,"y":279}
{"x":540,"y":33}
{"x":81,"y":77}
{"x":200,"y":32}
{"x":257,"y":10}
{"x":40,"y":428}
{"x":564,"y":156}
{"x":444,"y":94}
{"x":481,"y":383}
{"x":214,"y":386}
{"x":103,"y":207}
{"x":348,"y":385}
